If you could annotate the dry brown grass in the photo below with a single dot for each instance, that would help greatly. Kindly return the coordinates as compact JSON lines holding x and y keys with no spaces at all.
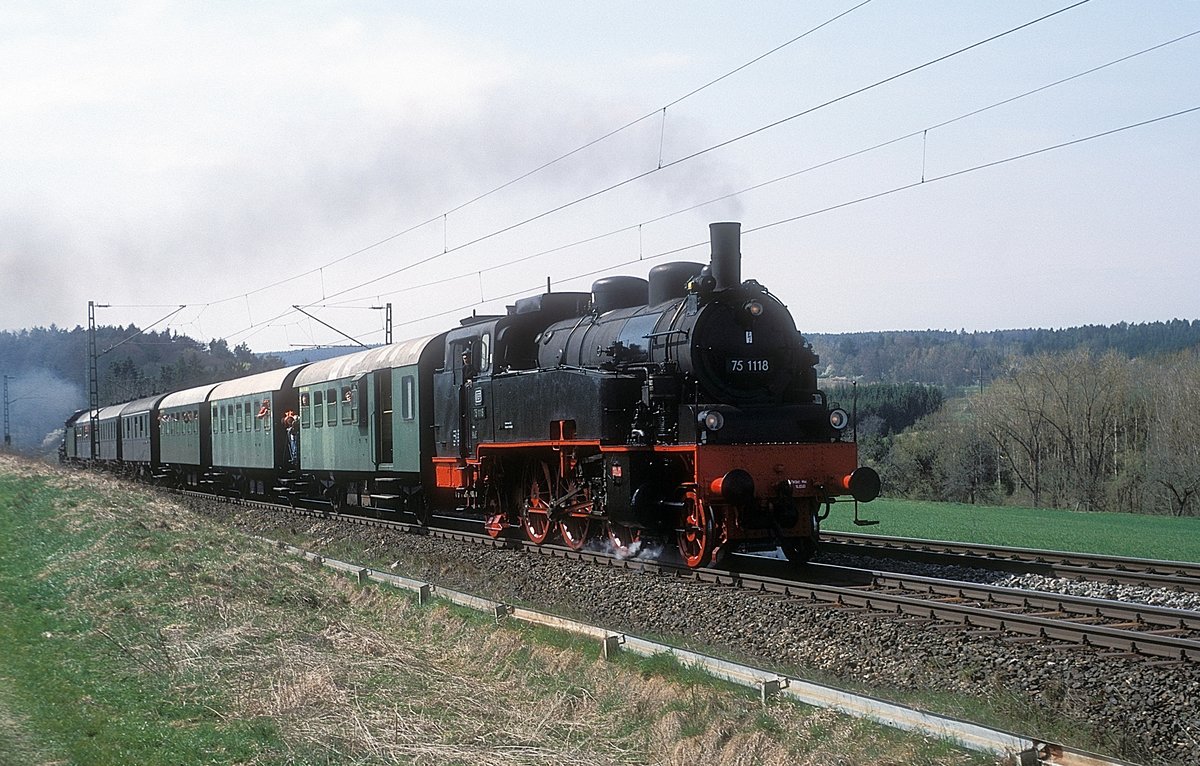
{"x":361,"y":675}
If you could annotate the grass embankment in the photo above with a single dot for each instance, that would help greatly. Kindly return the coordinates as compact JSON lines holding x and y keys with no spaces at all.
{"x":1117,"y":534}
{"x":134,"y":632}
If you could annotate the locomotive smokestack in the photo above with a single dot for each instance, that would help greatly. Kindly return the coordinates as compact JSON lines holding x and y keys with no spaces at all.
{"x":726,"y":238}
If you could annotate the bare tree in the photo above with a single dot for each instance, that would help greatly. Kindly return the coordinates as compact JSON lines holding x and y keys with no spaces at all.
{"x":1056,"y":421}
{"x":1012,"y":413}
{"x":1173,"y":440}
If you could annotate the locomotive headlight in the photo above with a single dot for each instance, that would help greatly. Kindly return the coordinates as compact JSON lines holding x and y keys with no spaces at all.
{"x":711,"y":419}
{"x":753,"y":308}
{"x":838,"y":419}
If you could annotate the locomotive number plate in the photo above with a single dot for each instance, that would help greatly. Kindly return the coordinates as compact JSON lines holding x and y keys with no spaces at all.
{"x":749,"y":365}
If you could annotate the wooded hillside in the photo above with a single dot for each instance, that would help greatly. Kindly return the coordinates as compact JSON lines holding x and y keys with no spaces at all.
{"x":47,"y":368}
{"x":958,"y":359}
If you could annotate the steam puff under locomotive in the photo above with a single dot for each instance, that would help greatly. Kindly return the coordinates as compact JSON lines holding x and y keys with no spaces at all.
{"x":682,"y":408}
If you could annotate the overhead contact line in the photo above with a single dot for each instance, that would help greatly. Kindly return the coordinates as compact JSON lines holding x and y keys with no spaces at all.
{"x":823,"y":164}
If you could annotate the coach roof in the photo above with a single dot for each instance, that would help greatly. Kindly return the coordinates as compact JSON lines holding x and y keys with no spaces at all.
{"x":187,"y":396}
{"x":381,"y":358}
{"x":139,"y":406}
{"x":111,"y":412}
{"x":262,"y":383}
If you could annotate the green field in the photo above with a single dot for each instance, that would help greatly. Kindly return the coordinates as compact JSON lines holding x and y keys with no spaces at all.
{"x":1119,"y":534}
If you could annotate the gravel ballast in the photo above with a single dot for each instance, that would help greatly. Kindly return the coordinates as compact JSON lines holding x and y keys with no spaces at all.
{"x":1127,"y":707}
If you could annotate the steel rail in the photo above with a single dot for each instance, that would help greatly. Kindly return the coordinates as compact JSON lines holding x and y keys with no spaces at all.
{"x":1015,"y":749}
{"x":1140,"y":630}
{"x":1069,"y":605}
{"x":1155,"y":573}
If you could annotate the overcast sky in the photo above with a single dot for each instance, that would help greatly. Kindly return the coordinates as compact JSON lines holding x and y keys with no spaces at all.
{"x":154,"y":154}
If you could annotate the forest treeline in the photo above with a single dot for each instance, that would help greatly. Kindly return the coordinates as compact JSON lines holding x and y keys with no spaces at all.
{"x":47,"y":368}
{"x":1074,"y":429}
{"x":954,"y":360}
{"x":131,"y":363}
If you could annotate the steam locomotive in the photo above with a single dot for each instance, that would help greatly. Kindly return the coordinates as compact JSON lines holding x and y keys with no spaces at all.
{"x":682,"y":408}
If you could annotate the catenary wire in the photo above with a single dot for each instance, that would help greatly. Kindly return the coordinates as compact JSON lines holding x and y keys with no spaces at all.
{"x":828,"y":209}
{"x":701,"y":152}
{"x":545,"y":165}
{"x":763,"y":184}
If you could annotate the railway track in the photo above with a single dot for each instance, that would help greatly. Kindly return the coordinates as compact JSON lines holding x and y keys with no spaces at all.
{"x":1152,"y":573}
{"x":1156,"y":633}
{"x":1013,"y":749}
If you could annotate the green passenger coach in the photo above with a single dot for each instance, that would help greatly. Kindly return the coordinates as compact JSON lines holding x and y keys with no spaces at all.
{"x":185,"y":434}
{"x":249,"y":438}
{"x":365,"y":421}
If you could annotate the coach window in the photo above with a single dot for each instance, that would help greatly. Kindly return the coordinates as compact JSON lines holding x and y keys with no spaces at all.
{"x":248,"y":413}
{"x":347,"y":404}
{"x":237,"y":416}
{"x":408,"y":398}
{"x":215,"y":419}
{"x":259,"y":418}
{"x":318,"y":399}
{"x":305,"y":411}
{"x":331,"y":406}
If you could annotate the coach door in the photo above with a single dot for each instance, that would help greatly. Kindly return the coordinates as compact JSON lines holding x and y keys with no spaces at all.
{"x":384,"y":442}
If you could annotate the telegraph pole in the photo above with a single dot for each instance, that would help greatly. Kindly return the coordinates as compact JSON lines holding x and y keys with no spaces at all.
{"x":93,"y":382}
{"x":7,"y":432}
{"x":387,"y":322}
